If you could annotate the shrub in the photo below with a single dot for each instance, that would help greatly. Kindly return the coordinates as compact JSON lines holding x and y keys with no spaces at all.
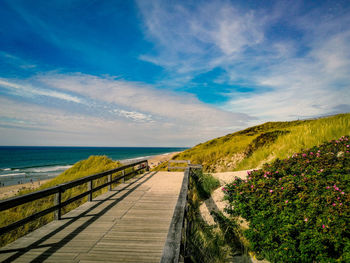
{"x":298,"y":208}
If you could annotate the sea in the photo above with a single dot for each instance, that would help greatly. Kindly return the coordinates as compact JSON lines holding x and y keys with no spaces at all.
{"x":23,"y":164}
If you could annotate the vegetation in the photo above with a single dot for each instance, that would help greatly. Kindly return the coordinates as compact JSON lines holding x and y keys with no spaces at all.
{"x":253,"y":147}
{"x":205,"y":243}
{"x":93,"y":165}
{"x":298,"y":208}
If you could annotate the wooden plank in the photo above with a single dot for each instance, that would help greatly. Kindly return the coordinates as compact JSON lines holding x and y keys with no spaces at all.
{"x":171,"y":251}
{"x":128,"y":224}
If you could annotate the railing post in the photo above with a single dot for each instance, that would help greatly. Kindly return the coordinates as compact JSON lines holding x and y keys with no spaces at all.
{"x":147,"y":166}
{"x":109,"y":181}
{"x":89,"y":189}
{"x":123,"y":173}
{"x":57,"y":201}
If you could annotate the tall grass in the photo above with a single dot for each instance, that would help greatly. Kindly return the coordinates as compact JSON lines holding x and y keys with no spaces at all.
{"x":93,"y":165}
{"x":231,"y":152}
{"x":301,"y":137}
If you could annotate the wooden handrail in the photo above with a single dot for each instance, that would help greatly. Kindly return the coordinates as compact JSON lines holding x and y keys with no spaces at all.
{"x":177,"y":234}
{"x":178,"y":167}
{"x":59,"y":189}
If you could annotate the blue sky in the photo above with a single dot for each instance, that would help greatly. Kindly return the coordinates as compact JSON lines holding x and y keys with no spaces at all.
{"x":166,"y":73}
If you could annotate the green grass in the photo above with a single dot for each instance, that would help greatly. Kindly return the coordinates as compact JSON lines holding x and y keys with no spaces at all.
{"x":93,"y":165}
{"x":301,"y":137}
{"x":252,"y":147}
{"x":205,"y":243}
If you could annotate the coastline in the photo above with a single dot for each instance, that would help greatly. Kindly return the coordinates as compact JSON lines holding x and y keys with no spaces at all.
{"x":12,"y":190}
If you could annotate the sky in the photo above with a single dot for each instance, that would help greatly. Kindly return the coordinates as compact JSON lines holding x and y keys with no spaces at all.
{"x":166,"y":73}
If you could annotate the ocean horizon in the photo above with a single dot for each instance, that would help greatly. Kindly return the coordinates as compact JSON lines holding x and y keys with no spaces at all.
{"x":22,"y":164}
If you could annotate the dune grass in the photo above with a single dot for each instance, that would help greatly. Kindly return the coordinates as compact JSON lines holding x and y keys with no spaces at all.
{"x":93,"y":165}
{"x":301,"y":137}
{"x":252,"y":147}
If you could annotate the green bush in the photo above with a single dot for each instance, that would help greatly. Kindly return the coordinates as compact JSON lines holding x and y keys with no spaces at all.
{"x":298,"y":208}
{"x":205,"y":184}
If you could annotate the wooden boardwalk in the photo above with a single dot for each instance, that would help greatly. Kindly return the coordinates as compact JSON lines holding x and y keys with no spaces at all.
{"x":128,"y":224}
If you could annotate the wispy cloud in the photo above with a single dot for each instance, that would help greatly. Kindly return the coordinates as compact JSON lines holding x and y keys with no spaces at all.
{"x":283,"y":60}
{"x":29,"y":91}
{"x":132,"y":111}
{"x":188,"y":41}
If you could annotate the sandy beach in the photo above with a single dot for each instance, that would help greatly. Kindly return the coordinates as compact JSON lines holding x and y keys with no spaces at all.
{"x":9,"y":191}
{"x":158,"y":159}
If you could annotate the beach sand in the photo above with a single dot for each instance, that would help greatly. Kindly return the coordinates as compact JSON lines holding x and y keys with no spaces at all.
{"x":158,"y":159}
{"x":10,"y":191}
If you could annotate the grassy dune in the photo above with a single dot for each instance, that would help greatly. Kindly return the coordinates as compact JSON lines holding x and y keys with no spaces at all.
{"x":93,"y":165}
{"x":253,"y":147}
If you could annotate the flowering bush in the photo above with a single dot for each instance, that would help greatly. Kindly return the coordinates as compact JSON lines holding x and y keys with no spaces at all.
{"x":298,"y":208}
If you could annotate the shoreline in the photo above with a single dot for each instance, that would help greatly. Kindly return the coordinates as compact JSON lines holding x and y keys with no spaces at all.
{"x":12,"y":190}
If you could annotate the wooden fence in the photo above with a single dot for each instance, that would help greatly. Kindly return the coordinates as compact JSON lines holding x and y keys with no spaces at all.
{"x":59,"y":189}
{"x":175,"y":246}
{"x":171,"y":167}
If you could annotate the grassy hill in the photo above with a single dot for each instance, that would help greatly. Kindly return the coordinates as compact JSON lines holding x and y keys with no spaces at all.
{"x":252,"y":147}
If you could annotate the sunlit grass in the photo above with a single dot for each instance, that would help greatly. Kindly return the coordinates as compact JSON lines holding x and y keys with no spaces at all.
{"x":230,"y":152}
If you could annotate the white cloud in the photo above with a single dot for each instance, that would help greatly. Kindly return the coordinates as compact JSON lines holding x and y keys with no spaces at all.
{"x":199,"y":37}
{"x":115,"y":113}
{"x":162,"y":105}
{"x":28,"y":90}
{"x":313,"y":85}
{"x":301,"y":72}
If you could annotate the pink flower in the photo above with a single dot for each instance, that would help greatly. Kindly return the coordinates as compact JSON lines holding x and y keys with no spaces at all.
{"x":340,"y":203}
{"x":280,"y":179}
{"x":271,"y":191}
{"x":282,"y":188}
{"x":223,"y":189}
{"x":276,"y":172}
{"x":305,"y":219}
{"x":323,"y":226}
{"x":252,"y":186}
{"x":333,"y":204}
{"x":347,"y":146}
{"x":304,"y":154}
{"x":286,"y":201}
{"x":342,"y":193}
{"x":327,"y":187}
{"x":311,"y":153}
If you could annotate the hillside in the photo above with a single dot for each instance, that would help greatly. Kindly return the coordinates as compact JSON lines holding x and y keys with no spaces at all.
{"x":252,"y":147}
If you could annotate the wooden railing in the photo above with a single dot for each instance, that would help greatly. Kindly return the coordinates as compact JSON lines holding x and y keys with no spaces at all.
{"x":170,"y":162}
{"x":175,"y":246}
{"x":59,"y":189}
